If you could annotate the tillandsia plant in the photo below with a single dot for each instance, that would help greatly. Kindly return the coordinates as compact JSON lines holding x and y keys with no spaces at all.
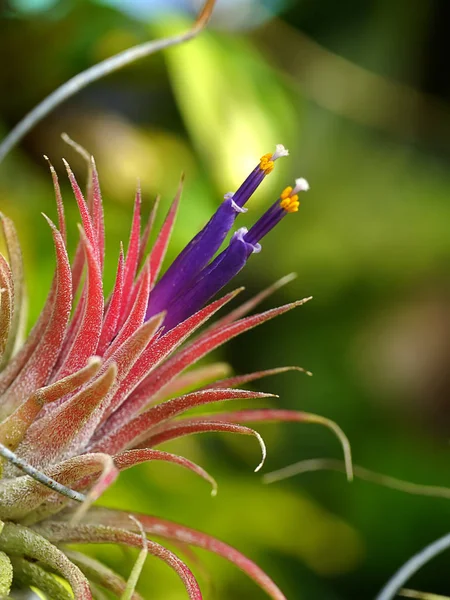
{"x":82,"y":398}
{"x":95,"y":388}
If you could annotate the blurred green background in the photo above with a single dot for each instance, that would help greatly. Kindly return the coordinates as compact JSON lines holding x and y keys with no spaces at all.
{"x":359,"y":92}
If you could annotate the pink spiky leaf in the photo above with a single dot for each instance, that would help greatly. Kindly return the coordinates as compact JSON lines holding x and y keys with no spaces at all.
{"x":197,"y":378}
{"x":16,"y":266}
{"x":202,"y":425}
{"x":246,"y":307}
{"x":86,"y":219}
{"x":62,"y":431}
{"x":35,"y":372}
{"x":98,"y":534}
{"x":6,"y":304}
{"x":132,"y":257}
{"x":204,"y":344}
{"x":88,"y":226}
{"x":255,"y":376}
{"x":162,"y":241}
{"x":130,"y":458}
{"x":136,"y":316}
{"x":86,"y":341}
{"x":14,"y":428}
{"x":154,"y":355}
{"x":111,"y":320}
{"x":138,"y":428}
{"x":279,"y":415}
{"x":97,"y":213}
{"x":147,"y":230}
{"x":59,"y":201}
{"x":174,"y":531}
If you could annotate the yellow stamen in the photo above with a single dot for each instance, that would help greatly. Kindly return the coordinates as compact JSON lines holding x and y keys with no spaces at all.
{"x":290,"y":203}
{"x":285,"y":193}
{"x":265,"y":164}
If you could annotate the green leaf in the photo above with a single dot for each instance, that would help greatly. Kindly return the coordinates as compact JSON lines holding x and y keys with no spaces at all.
{"x":6,"y":574}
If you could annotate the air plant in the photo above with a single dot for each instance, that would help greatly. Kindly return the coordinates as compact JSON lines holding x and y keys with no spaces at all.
{"x":97,"y":386}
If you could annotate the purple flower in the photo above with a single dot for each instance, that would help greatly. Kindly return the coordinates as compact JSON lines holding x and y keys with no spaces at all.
{"x":228,"y":263}
{"x":201,"y":249}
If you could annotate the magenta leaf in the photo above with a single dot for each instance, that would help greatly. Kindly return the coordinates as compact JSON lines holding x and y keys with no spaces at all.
{"x":240,"y":379}
{"x":202,"y":425}
{"x":139,"y":427}
{"x":36,"y":370}
{"x":206,"y":343}
{"x":130,"y":458}
{"x":86,"y":340}
{"x":131,"y":262}
{"x":154,"y":355}
{"x":111,"y":320}
{"x":162,"y":241}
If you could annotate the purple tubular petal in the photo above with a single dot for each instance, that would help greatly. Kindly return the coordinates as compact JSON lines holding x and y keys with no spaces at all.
{"x":223,"y":268}
{"x":213,"y":278}
{"x":193,"y":258}
{"x":249,"y":186}
{"x":265,"y":224}
{"x":203,"y":246}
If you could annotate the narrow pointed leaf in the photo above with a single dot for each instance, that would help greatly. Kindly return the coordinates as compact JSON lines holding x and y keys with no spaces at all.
{"x":16,"y":266}
{"x":88,"y":226}
{"x":86,"y":341}
{"x":160,"y":247}
{"x":37,"y":369}
{"x":14,"y":428}
{"x":100,"y":573}
{"x":6,"y":305}
{"x":130,"y":458}
{"x":147,"y":231}
{"x":154,"y":355}
{"x":174,"y":531}
{"x":136,"y":316}
{"x":139,"y":427}
{"x":98,"y":534}
{"x":111,"y":320}
{"x":97,"y":213}
{"x":206,"y":343}
{"x":62,"y":431}
{"x":247,"y":378}
{"x":131,"y":262}
{"x":185,"y":427}
{"x":249,"y":305}
{"x":279,"y":415}
{"x":59,"y":202}
{"x":194,"y":378}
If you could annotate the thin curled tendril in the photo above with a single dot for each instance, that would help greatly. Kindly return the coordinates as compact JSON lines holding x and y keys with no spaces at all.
{"x":96,"y":72}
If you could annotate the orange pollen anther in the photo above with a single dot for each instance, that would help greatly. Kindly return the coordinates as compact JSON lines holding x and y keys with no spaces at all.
{"x":286,"y":193}
{"x":289,"y":203}
{"x":265,"y":164}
